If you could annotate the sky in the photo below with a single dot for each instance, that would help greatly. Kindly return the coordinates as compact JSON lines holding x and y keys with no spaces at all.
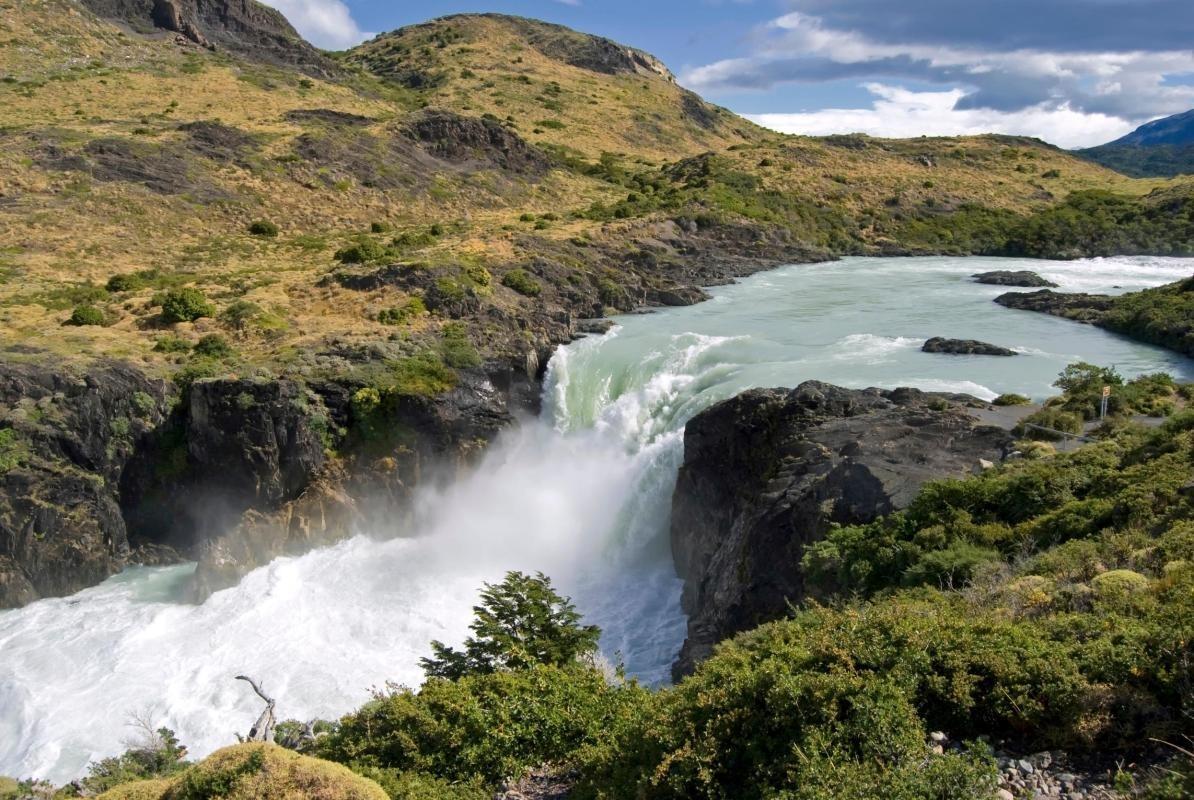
{"x":1073,"y":72}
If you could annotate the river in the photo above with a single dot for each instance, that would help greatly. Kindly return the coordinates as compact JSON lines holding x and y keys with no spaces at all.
{"x":582,"y":494}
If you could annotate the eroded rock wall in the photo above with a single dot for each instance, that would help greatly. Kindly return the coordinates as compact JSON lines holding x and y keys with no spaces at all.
{"x":769,"y":471}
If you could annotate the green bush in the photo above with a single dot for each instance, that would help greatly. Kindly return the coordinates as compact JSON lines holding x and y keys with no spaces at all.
{"x":400,"y":315}
{"x":457,"y":350}
{"x":263,"y":227}
{"x":824,"y":706}
{"x":239,"y":313}
{"x":185,"y":305}
{"x":421,"y":786}
{"x":486,"y":726}
{"x":521,"y":281}
{"x":86,"y":315}
{"x":521,"y":622}
{"x":170,"y":343}
{"x":1011,"y":399}
{"x":156,"y":754}
{"x":213,"y":345}
{"x":1055,"y":419}
{"x":364,"y":251}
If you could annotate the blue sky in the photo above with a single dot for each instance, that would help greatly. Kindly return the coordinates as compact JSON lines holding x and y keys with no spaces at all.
{"x":1073,"y":72}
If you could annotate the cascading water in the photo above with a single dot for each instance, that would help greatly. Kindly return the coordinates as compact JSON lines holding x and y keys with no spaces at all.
{"x":582,"y":494}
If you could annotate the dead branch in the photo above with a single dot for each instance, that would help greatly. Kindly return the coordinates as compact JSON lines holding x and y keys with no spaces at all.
{"x":263,"y":728}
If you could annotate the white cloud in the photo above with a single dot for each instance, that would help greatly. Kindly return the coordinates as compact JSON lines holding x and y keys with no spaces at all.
{"x":801,"y":48}
{"x":325,"y":23}
{"x":900,"y":113}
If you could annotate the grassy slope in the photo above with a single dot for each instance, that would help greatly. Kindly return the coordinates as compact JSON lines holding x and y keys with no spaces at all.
{"x":69,"y":80}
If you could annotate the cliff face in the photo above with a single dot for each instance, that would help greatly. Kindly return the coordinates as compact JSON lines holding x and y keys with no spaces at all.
{"x":108,"y":467}
{"x":243,"y":27}
{"x":767,"y":472}
{"x":65,"y":439}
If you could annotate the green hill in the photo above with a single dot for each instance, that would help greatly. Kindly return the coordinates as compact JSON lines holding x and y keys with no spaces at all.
{"x":1163,"y":147}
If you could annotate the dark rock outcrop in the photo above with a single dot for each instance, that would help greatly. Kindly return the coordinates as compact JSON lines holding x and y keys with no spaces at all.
{"x":458,"y":139}
{"x":964,"y":347}
{"x":243,"y":27}
{"x":66,"y":437}
{"x":767,"y":472}
{"x":1078,"y":307}
{"x":1003,"y":277}
{"x":583,"y":50}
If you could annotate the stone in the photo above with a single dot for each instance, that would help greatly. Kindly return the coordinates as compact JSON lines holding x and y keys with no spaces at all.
{"x":964,"y":347}
{"x":1025,"y":767}
{"x":767,"y":472}
{"x":1004,"y":794}
{"x":938,"y":737}
{"x":1003,"y":277}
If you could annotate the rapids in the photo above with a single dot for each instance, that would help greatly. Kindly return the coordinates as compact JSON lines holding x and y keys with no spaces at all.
{"x":582,"y":494}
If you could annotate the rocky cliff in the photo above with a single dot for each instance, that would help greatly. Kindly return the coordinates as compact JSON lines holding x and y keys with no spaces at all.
{"x":65,"y":438}
{"x":768,"y":471}
{"x":106,"y":467}
{"x":243,"y":27}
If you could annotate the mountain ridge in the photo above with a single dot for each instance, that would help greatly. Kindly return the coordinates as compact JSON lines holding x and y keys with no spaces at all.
{"x":1160,"y":148}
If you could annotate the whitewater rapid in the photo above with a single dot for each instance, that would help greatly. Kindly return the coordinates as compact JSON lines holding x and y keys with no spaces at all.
{"x":583,"y":494}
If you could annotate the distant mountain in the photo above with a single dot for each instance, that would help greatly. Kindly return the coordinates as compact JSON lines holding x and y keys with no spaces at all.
{"x":1163,"y":147}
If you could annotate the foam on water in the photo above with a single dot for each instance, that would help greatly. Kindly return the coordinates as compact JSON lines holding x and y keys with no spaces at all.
{"x":582,"y":494}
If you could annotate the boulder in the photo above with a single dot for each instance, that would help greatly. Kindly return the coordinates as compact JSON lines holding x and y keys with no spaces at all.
{"x":964,"y":347}
{"x":1003,"y":277}
{"x":769,"y":471}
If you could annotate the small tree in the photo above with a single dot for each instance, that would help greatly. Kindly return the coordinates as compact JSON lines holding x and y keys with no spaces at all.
{"x":185,"y":305}
{"x":1080,"y":378}
{"x":520,"y":623}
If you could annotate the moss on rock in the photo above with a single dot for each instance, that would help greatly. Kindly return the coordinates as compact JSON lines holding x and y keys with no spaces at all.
{"x":255,"y":771}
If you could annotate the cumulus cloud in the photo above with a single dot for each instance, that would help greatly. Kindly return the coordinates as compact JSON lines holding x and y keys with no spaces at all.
{"x":898,"y":112}
{"x":1026,"y":58}
{"x":325,"y":23}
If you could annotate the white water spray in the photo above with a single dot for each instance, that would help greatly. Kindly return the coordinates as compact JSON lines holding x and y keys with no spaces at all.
{"x":582,"y":494}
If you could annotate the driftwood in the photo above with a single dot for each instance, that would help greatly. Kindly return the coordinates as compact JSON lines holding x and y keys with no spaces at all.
{"x":263,"y":728}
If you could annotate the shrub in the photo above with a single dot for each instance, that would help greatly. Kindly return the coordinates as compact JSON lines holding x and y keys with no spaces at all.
{"x":213,"y":345}
{"x":823,"y":706}
{"x":1011,"y":399}
{"x":400,"y":315}
{"x":1053,"y":418}
{"x":362,"y":252}
{"x":86,"y":315}
{"x":263,"y":227}
{"x":155,"y":754}
{"x":197,"y":369}
{"x":521,"y":281}
{"x":170,"y":343}
{"x":484,"y":726}
{"x":258,"y":771}
{"x":521,"y":622}
{"x":185,"y":305}
{"x":421,"y":786}
{"x":457,"y":350}
{"x":238,"y":314}
{"x":133,"y":281}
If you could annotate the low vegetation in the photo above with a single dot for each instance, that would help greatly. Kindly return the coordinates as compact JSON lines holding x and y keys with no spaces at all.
{"x":1047,"y":602}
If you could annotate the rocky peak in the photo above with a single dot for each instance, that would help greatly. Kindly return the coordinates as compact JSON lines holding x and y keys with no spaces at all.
{"x":243,"y":27}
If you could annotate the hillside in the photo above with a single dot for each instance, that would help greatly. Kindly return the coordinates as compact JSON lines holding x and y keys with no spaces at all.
{"x":1163,"y":147}
{"x":124,"y":137}
{"x":381,"y":248}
